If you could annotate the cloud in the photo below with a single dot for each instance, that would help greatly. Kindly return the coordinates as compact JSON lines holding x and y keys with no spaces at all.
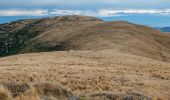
{"x":98,"y":13}
{"x":95,"y":13}
{"x":14,"y":12}
{"x":66,"y":12}
{"x":75,"y":12}
{"x":108,"y":13}
{"x":88,"y":4}
{"x":136,"y":11}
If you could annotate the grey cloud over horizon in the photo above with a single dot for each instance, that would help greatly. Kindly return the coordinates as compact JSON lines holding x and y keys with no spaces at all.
{"x":94,"y":4}
{"x":95,"y":13}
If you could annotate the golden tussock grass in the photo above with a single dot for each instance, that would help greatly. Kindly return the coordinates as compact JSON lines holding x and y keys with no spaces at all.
{"x":4,"y":94}
{"x":82,"y":73}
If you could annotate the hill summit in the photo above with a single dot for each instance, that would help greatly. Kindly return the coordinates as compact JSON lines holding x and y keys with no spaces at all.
{"x":81,"y":33}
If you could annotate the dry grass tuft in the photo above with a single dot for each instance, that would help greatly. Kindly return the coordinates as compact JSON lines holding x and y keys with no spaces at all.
{"x":31,"y":94}
{"x":104,"y":96}
{"x":48,"y":89}
{"x":4,"y":94}
{"x":33,"y":91}
{"x":17,"y":89}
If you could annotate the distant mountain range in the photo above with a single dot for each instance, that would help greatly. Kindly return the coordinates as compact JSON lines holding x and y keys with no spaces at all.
{"x":164,"y":29}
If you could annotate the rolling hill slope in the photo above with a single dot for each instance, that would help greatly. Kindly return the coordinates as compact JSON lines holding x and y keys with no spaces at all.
{"x":82,"y":33}
{"x":85,"y":75}
{"x":83,"y":58}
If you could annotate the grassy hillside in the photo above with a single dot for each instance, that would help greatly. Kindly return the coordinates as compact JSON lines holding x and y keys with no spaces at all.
{"x":91,"y":60}
{"x":82,"y":33}
{"x":84,"y":75}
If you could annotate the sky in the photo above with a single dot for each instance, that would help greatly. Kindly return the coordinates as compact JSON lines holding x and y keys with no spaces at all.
{"x":155,"y":13}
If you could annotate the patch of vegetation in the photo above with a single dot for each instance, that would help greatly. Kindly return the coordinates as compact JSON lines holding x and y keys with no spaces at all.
{"x":17,"y":37}
{"x":43,"y":47}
